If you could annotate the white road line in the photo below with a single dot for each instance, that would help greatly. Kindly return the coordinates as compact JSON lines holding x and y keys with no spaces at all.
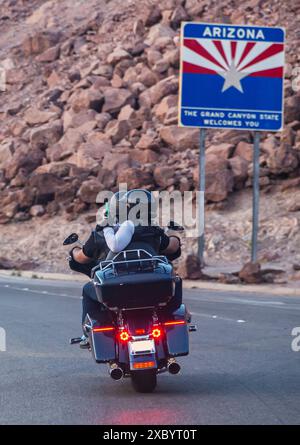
{"x":217,"y":317}
{"x":40,"y":292}
{"x":231,"y":300}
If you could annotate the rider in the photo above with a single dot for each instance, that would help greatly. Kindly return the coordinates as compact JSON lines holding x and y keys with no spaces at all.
{"x":129,"y":224}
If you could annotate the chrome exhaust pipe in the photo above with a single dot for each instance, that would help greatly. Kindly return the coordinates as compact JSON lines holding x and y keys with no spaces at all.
{"x":173,"y":366}
{"x":115,"y":372}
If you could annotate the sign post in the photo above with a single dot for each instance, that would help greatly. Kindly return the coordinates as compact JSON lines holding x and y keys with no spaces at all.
{"x":231,"y":76}
{"x":255,"y":189}
{"x":201,"y":239}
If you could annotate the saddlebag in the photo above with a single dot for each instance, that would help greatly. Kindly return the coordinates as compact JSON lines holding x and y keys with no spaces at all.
{"x":177,"y":336}
{"x":103,"y":342}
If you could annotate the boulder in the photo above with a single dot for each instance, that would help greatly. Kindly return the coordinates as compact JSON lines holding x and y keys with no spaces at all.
{"x":44,"y":185}
{"x":40,"y":42}
{"x":133,"y":119}
{"x":180,"y":138}
{"x":244,"y":150}
{"x":179,"y":15}
{"x":223,"y":150}
{"x":6,"y":150}
{"x":76,"y":120}
{"x":153,"y":56}
{"x":171,"y":117}
{"x":46,"y":135}
{"x":33,"y":116}
{"x":115,"y":161}
{"x":87,"y":99}
{"x":117,"y":56}
{"x":60,"y":169}
{"x":90,"y":155}
{"x":115,"y":99}
{"x":163,"y":88}
{"x":50,"y":55}
{"x":239,"y":168}
{"x":251,"y":273}
{"x":138,"y":28}
{"x":117,"y":130}
{"x":147,"y":77}
{"x":24,"y":197}
{"x":23,"y":158}
{"x":143,"y":156}
{"x":66,"y":193}
{"x":157,"y":31}
{"x":190,"y":267}
{"x":66,"y":146}
{"x":283,"y":160}
{"x":292,"y":108}
{"x":89,"y":190}
{"x":153,"y":16}
{"x":53,"y":80}
{"x":164,"y":176}
{"x":107,"y":178}
{"x":8,"y":211}
{"x":148,"y":141}
{"x":164,"y":106}
{"x":219,"y":178}
{"x":194,"y":8}
{"x":135,"y":178}
{"x":36,"y":211}
{"x":290,"y":184}
{"x":102,"y":120}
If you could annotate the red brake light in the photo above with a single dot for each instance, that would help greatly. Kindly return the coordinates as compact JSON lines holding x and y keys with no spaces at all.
{"x":124,"y":336}
{"x":140,"y":331}
{"x":156,"y":333}
{"x":108,"y":328}
{"x":175,"y":322}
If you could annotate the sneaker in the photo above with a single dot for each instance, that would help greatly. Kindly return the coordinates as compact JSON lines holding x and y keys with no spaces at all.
{"x":85,"y":343}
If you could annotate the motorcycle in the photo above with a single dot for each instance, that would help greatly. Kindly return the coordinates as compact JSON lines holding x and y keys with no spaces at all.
{"x":140,"y":334}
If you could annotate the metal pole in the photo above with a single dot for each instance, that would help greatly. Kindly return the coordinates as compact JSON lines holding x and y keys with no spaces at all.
{"x":201,"y":239}
{"x":255,"y":206}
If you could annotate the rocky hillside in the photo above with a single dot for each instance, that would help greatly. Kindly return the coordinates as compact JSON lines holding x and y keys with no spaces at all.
{"x":91,"y":101}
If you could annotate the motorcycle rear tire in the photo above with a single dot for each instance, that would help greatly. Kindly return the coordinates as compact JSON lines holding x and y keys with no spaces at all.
{"x":144,"y":381}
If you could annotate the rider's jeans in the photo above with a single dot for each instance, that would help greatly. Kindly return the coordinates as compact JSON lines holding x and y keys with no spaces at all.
{"x":90,"y":303}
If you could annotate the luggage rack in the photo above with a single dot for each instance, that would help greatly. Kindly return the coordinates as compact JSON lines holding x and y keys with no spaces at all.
{"x":122,"y":263}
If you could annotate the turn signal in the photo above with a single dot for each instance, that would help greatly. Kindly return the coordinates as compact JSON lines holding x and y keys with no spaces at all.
{"x":103,"y":329}
{"x":175,"y":322}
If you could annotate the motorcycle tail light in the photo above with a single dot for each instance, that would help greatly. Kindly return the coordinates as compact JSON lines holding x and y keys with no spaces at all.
{"x":104,"y":329}
{"x":174,"y":322}
{"x":156,"y":333}
{"x":124,"y":336}
{"x":143,"y":365}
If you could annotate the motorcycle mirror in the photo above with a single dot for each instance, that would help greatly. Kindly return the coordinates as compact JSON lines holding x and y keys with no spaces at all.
{"x":174,"y":226}
{"x":71,"y":239}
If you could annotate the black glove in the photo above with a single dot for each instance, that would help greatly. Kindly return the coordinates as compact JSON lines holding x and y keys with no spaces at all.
{"x":94,"y":245}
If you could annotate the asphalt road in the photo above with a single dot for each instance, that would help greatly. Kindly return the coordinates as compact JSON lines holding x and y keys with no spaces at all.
{"x":241,"y":368}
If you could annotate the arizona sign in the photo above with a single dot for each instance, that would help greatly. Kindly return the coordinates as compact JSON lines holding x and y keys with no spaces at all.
{"x":231,"y":76}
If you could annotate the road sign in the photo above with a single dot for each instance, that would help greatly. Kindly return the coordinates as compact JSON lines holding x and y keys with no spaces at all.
{"x":231,"y":76}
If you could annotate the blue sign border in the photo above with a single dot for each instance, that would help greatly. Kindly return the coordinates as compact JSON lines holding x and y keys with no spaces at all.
{"x":273,"y":119}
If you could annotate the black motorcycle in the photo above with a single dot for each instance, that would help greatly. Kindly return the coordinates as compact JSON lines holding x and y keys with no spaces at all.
{"x":144,"y":329}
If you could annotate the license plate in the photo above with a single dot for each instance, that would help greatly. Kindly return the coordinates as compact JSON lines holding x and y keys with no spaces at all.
{"x":142,"y":347}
